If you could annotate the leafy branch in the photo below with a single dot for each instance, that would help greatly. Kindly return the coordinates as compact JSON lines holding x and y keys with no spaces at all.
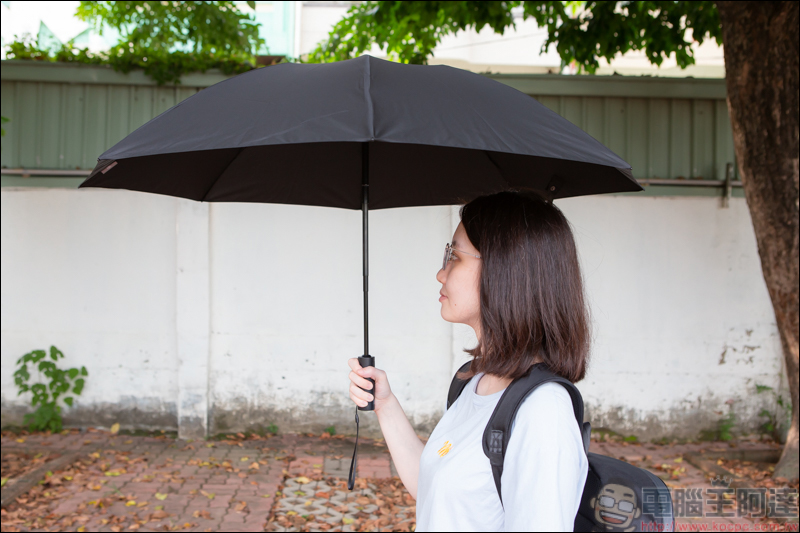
{"x":582,"y":32}
{"x":200,"y":27}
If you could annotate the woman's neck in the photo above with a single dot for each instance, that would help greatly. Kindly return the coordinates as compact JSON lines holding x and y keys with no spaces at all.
{"x":489,"y":384}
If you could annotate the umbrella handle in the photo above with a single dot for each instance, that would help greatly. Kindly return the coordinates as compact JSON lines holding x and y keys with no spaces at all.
{"x":364,"y":361}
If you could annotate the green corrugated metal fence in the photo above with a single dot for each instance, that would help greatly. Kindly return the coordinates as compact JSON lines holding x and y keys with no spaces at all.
{"x":63,"y":117}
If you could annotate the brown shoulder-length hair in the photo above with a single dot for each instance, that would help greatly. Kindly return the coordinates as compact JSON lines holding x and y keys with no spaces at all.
{"x":531,"y":292}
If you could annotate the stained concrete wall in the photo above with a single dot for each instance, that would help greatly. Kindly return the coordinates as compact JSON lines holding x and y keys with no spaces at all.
{"x":218,"y":317}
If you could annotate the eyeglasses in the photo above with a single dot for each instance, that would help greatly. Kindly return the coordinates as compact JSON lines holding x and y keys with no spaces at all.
{"x":448,"y":254}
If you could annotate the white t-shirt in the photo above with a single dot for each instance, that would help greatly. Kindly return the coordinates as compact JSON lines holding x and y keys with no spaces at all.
{"x":544,"y":468}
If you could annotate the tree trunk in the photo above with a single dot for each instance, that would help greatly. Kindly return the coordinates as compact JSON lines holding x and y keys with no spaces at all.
{"x":761,"y":62}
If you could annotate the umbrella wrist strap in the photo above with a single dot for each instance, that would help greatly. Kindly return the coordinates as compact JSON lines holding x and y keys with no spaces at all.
{"x":352,"y":477}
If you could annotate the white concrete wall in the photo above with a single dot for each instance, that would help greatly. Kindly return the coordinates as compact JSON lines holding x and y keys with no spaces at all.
{"x":683,"y":321}
{"x":234,"y":316}
{"x":93,"y":273}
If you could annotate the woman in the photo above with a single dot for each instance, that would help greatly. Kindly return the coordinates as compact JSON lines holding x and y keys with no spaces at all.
{"x":512,"y":274}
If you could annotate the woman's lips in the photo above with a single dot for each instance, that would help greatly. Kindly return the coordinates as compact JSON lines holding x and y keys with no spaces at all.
{"x":442,"y":297}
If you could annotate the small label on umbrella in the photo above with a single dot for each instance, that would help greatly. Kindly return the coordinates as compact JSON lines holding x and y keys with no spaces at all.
{"x":109,"y":167}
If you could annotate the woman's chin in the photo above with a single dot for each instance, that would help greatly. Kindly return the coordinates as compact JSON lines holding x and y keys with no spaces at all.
{"x":446,"y":316}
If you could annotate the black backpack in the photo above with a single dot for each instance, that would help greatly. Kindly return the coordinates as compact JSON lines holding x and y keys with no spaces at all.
{"x":617,"y":496}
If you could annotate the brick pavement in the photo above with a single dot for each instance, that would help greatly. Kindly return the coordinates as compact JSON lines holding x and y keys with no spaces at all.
{"x":208,"y":486}
{"x":238,"y":485}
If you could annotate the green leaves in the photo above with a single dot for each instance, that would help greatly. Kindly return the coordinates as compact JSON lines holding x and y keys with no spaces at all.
{"x":164,"y":39}
{"x":199,"y":27}
{"x":582,"y":32}
{"x":55,"y":353}
{"x":161,"y":66}
{"x":45,"y":393}
{"x":608,"y":29}
{"x":407,"y":31}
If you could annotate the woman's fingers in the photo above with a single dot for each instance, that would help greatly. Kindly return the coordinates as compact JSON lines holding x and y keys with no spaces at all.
{"x":362,"y":390}
{"x":360,"y":393}
{"x":367,"y":371}
{"x":361,"y":382}
{"x":359,"y":374}
{"x":354,"y":364}
{"x":371,"y":372}
{"x":359,"y":396}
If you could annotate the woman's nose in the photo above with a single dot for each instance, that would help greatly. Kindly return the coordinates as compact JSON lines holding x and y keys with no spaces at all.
{"x":441,"y":276}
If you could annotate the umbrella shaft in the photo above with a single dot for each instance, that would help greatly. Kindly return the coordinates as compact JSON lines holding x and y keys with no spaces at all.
{"x":365,"y":231}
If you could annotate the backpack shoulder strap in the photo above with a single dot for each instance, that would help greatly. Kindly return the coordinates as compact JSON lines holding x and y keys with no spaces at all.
{"x":498,"y":430}
{"x":457,"y":385}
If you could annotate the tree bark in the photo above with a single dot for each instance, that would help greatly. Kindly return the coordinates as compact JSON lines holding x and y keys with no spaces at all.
{"x":761,"y":63}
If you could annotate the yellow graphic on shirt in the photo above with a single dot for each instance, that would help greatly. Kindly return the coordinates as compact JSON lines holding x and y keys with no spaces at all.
{"x":444,"y":450}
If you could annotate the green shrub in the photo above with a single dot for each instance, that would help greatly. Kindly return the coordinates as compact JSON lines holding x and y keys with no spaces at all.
{"x":164,"y":39}
{"x":46,"y":393}
{"x":161,"y":66}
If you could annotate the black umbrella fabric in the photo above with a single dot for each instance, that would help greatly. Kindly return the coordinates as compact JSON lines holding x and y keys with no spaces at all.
{"x":359,"y":134}
{"x":292,"y":134}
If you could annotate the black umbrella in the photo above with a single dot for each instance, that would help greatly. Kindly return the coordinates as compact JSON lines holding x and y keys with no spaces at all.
{"x":326,"y":134}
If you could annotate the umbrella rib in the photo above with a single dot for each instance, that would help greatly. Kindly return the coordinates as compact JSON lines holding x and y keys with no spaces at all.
{"x":368,"y":98}
{"x":234,"y":158}
{"x":488,"y":155}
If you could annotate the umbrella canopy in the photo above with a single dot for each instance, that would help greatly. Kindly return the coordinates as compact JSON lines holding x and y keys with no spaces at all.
{"x":293,"y":134}
{"x":327,"y":134}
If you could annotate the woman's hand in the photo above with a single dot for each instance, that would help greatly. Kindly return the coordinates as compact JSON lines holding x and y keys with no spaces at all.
{"x":382,"y":392}
{"x":403,"y":443}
